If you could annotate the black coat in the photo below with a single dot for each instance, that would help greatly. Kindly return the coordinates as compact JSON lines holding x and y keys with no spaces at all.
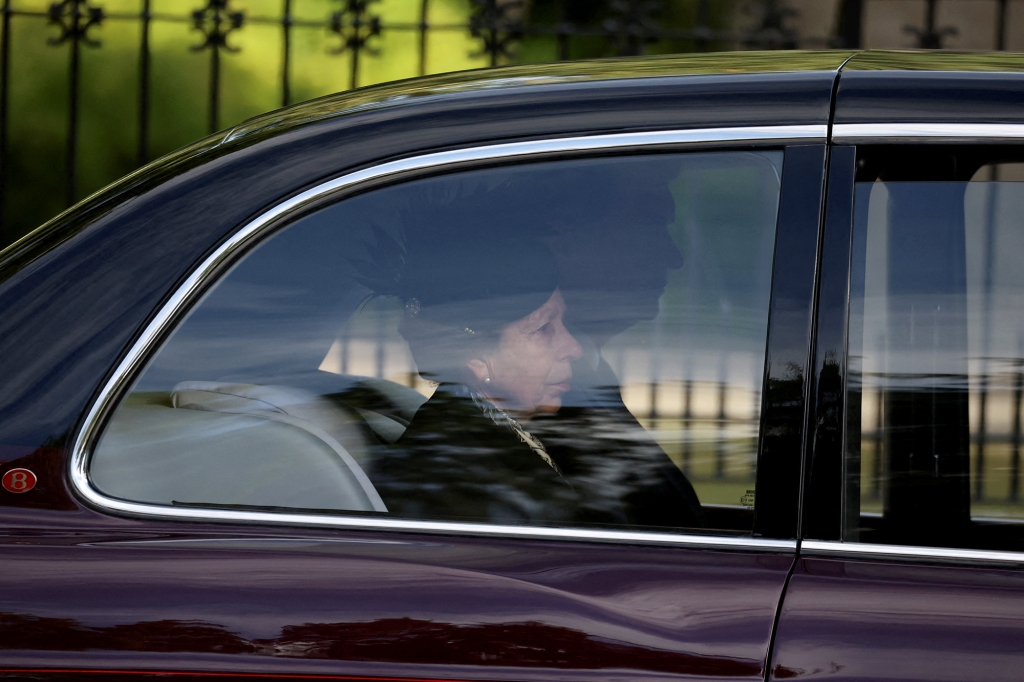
{"x":456,"y":461}
{"x":621,"y":474}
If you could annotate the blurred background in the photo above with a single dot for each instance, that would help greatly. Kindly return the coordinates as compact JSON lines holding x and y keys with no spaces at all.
{"x":92,"y":89}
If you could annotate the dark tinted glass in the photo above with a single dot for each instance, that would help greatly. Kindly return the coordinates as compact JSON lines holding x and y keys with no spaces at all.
{"x":936,"y":349}
{"x":574,"y":343}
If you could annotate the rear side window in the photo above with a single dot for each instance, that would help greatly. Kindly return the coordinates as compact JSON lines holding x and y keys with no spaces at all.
{"x":937,"y":348}
{"x":573,"y":343}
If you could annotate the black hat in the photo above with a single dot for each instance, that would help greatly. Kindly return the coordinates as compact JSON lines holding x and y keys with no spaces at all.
{"x":476,"y":280}
{"x":466,"y":261}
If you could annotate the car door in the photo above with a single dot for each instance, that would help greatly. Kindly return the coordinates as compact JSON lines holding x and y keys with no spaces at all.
{"x":225,"y":510}
{"x":909,"y":565}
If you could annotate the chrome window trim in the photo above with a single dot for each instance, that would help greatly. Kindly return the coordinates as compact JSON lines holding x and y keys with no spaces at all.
{"x":187,"y":292}
{"x":937,"y":132}
{"x":864,"y":550}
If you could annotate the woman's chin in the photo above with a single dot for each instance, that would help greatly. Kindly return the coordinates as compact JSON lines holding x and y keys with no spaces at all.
{"x":549,"y":408}
{"x":549,"y":404}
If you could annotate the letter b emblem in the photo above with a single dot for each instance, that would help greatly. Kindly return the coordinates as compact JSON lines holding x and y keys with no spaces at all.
{"x":19,"y":481}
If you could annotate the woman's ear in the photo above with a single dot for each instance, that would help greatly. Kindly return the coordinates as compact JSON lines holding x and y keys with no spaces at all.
{"x":479,"y":369}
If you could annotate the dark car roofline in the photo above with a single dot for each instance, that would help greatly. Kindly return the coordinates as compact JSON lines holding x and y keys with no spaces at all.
{"x":935,"y":60}
{"x":395,"y":93}
{"x":479,"y":81}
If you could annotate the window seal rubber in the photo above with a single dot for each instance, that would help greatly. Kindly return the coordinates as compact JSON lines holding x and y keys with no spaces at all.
{"x":196,"y":283}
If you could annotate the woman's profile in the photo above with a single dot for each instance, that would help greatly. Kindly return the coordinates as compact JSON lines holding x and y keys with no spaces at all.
{"x":485,"y":320}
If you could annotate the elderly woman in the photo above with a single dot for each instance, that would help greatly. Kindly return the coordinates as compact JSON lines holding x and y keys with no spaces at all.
{"x":483,"y":318}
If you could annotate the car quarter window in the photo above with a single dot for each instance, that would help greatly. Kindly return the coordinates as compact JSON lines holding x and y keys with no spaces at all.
{"x":936,"y":348}
{"x":573,"y":343}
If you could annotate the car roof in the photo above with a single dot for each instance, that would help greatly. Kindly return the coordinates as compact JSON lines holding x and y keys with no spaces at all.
{"x":504,"y":78}
{"x":933,"y":60}
{"x":511,"y":78}
{"x":594,"y":70}
{"x":512,"y":84}
{"x":511,"y":81}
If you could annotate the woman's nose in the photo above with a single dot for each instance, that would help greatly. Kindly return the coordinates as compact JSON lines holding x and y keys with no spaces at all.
{"x":569,"y":348}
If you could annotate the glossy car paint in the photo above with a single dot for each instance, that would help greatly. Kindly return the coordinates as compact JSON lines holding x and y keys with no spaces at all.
{"x":384,"y":606}
{"x":648,"y":589}
{"x":790,"y":322}
{"x":862,"y":620}
{"x":88,"y":591}
{"x":921,"y":87}
{"x":892,"y":618}
{"x":822,"y":512}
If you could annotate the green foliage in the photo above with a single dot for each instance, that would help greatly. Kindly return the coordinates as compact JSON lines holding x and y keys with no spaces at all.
{"x":250,"y":77}
{"x":250,"y":84}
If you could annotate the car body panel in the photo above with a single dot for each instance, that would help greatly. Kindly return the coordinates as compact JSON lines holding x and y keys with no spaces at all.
{"x":692,"y":588}
{"x":886,"y":97}
{"x":909,"y":617}
{"x":862,"y":620}
{"x":385,"y":605}
{"x":933,"y":60}
{"x":95,"y":591}
{"x":86,"y":590}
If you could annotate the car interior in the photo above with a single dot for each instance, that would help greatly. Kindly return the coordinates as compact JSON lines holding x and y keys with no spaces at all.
{"x":912,"y":471}
{"x":286,"y":384}
{"x":254,"y":446}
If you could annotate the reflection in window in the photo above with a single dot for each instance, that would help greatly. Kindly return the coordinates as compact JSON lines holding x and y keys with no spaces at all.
{"x":936,"y":356}
{"x":572,"y":343}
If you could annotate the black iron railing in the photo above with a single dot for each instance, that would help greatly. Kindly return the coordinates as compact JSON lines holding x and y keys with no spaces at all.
{"x":498,"y":27}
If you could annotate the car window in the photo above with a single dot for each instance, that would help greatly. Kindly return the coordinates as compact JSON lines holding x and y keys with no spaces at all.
{"x":936,"y":348}
{"x":573,"y":343}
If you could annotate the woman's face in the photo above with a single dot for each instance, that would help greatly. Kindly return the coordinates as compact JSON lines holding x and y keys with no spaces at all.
{"x":530,"y":368}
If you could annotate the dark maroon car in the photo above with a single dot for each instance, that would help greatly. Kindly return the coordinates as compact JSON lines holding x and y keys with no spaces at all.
{"x":704,"y":367}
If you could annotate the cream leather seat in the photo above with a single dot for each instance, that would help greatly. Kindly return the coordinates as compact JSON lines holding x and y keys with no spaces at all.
{"x":244,"y":445}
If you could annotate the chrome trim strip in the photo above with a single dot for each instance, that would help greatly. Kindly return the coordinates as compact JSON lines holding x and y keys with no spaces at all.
{"x":904,"y":551}
{"x":861,"y":132}
{"x":453,"y":528}
{"x":136,"y":356}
